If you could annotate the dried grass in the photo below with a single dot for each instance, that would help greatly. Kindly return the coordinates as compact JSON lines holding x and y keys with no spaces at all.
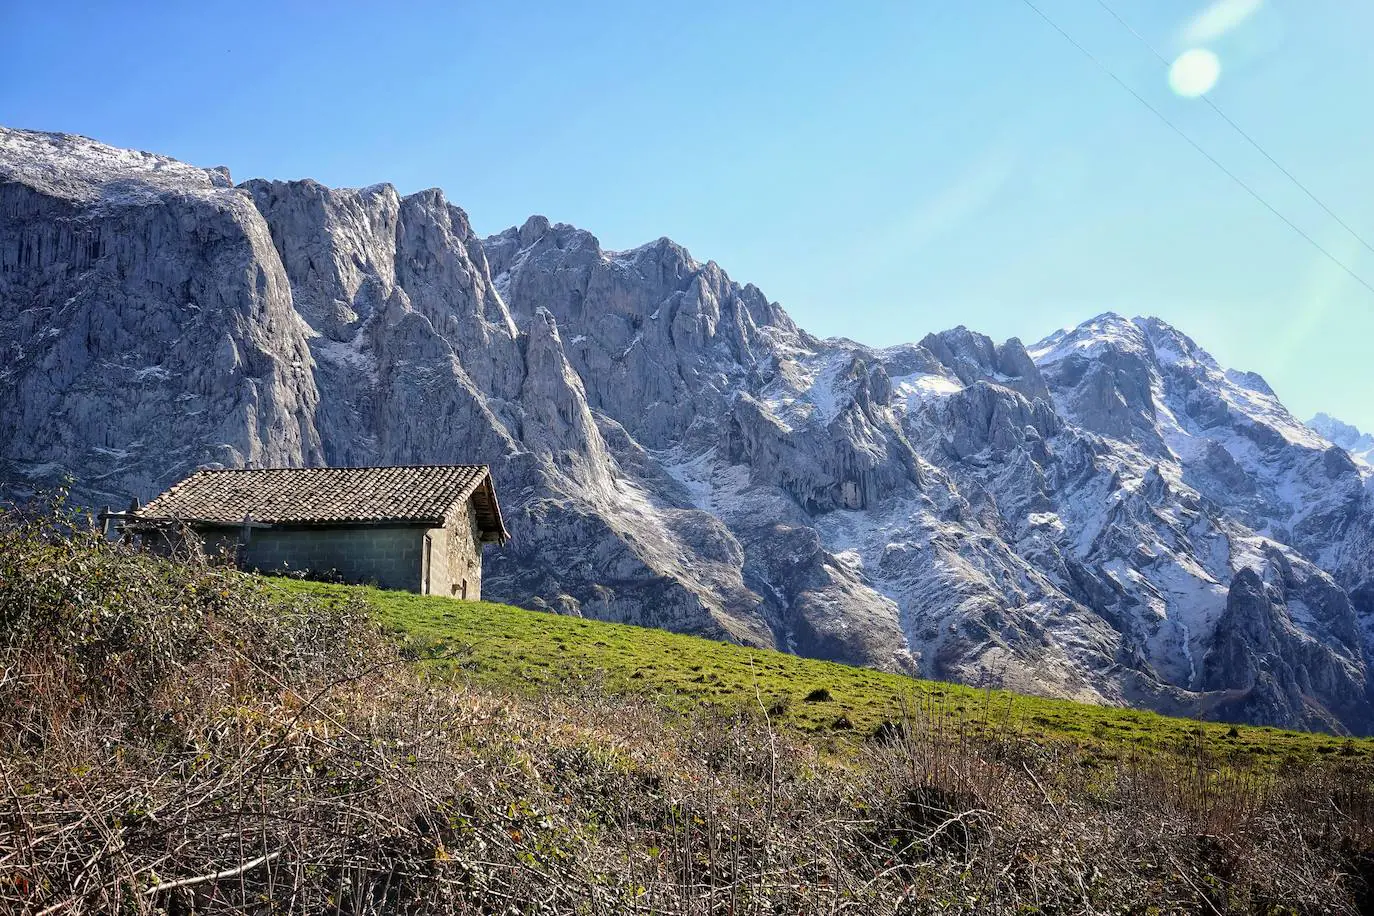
{"x":175,"y":738}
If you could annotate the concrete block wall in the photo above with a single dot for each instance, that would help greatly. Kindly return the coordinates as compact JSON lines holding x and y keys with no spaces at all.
{"x":390,"y":556}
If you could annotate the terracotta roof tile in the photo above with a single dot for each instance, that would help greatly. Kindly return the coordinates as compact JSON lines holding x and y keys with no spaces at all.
{"x":330,"y":495}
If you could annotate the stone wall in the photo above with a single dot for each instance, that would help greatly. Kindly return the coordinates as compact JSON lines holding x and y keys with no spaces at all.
{"x":456,"y":556}
{"x":465,"y":553}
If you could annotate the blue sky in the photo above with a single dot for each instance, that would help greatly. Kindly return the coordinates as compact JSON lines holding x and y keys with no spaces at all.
{"x":882,"y":169}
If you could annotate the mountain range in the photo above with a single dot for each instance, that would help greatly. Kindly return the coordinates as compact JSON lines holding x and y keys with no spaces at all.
{"x":1106,"y":514}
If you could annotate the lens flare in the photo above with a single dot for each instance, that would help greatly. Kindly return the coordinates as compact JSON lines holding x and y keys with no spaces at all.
{"x":1194,"y":73}
{"x":1221,"y":17}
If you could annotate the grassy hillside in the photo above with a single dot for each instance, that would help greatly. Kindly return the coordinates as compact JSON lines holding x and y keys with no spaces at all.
{"x":513,"y":648}
{"x":177,"y":738}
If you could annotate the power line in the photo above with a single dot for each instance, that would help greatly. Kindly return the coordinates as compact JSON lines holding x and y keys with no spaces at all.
{"x":1237,"y":128}
{"x":1194,"y":144}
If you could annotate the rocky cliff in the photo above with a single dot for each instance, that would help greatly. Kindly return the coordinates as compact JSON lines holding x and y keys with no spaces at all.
{"x":1106,"y":514}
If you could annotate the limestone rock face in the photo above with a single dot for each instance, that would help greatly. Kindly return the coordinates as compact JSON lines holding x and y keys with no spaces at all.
{"x":973,"y":357}
{"x":146,"y":323}
{"x":1263,"y":666}
{"x":1107,"y":515}
{"x":661,"y":342}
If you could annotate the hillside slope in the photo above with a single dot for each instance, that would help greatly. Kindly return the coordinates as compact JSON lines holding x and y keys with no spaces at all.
{"x":184,"y":738}
{"x":1106,"y":515}
{"x":530,"y":652}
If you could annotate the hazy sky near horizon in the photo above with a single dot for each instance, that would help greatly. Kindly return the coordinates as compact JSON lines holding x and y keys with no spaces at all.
{"x":883,"y":169}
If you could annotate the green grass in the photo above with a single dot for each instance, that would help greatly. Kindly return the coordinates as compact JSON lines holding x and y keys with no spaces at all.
{"x":517,"y":649}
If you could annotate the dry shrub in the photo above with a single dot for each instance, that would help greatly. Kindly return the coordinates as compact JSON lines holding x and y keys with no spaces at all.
{"x":175,"y":737}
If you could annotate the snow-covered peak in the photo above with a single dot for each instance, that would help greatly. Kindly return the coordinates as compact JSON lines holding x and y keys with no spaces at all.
{"x":1106,"y":331}
{"x":1172,"y":346}
{"x":1339,"y":432}
{"x":1188,"y":370}
{"x":1359,"y":444}
{"x":1181,"y":376}
{"x":1148,"y":337}
{"x":76,"y":167}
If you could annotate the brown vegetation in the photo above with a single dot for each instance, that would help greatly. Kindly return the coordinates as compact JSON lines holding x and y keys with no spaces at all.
{"x":175,"y":737}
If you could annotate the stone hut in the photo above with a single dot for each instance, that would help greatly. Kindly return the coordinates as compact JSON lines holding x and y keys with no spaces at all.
{"x":420,"y":529}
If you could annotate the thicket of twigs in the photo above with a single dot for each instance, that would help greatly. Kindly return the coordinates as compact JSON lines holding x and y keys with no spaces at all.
{"x":174,"y":737}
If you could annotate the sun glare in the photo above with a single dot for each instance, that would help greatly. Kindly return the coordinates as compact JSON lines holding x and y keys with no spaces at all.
{"x":1194,"y":73}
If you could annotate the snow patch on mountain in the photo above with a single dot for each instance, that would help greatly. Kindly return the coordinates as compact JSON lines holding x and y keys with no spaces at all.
{"x":65,"y":165}
{"x":912,"y":391}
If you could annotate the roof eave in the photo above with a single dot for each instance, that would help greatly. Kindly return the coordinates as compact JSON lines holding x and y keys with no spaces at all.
{"x":498,"y":532}
{"x":295,"y":523}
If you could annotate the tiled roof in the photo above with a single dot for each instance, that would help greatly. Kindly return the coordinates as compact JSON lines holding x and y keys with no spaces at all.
{"x":331,"y":495}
